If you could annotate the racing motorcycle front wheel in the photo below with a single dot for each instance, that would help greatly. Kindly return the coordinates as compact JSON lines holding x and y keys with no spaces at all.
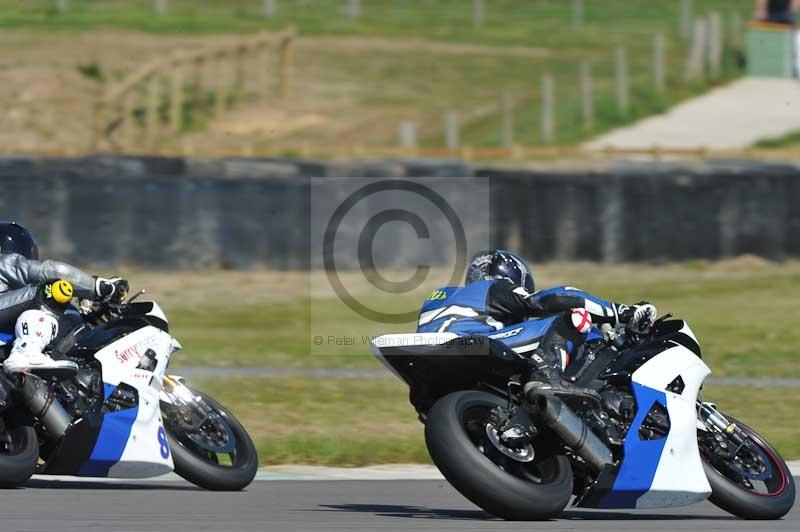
{"x":210,"y":448}
{"x":749,"y":479}
{"x":524,"y":484}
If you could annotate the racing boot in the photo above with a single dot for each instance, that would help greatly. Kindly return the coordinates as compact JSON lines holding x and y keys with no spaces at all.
{"x":35,"y":329}
{"x":547,"y":379}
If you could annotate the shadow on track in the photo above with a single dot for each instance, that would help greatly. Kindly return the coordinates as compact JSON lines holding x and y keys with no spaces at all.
{"x":413,"y":512}
{"x":420,"y":512}
{"x":117,"y":485}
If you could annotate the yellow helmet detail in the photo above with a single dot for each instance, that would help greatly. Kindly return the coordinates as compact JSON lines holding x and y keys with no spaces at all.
{"x":62,"y":291}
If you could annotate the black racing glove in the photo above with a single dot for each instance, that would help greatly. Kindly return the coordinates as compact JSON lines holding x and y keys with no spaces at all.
{"x":111,"y":290}
{"x":639,"y":318}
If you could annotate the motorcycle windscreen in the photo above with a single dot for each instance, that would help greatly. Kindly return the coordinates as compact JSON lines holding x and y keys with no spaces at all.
{"x":666,"y":471}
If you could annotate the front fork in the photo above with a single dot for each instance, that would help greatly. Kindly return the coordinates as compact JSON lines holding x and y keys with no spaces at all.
{"x":185,"y":404}
{"x":721,"y":428}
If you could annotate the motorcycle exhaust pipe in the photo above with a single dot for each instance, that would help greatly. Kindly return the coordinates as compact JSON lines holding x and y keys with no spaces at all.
{"x":39,"y":398}
{"x":573,"y":431}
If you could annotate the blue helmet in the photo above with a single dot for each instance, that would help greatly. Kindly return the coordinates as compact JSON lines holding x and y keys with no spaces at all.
{"x":500,"y":264}
{"x":15,"y":238}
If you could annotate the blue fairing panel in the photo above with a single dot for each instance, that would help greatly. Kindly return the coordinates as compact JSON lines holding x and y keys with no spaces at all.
{"x":112,"y":440}
{"x":523,"y":333}
{"x":6,"y":338}
{"x":594,"y":334}
{"x":641,"y":459}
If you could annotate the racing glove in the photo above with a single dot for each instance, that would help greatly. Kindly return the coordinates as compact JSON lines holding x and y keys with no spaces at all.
{"x":639,"y":318}
{"x":114,"y":289}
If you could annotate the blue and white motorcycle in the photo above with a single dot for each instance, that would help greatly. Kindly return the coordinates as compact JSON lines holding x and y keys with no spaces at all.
{"x":120,"y":415}
{"x":645,"y":440}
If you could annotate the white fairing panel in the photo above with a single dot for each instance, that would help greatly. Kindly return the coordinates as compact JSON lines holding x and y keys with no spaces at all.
{"x":132,"y":442}
{"x":679,"y":479}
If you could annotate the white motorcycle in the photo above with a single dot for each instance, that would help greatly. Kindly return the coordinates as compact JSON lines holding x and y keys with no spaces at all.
{"x":120,"y":415}
{"x":642,"y":438}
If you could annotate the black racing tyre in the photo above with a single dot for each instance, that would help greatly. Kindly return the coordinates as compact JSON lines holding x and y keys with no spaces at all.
{"x":737,"y":495}
{"x":19,"y":453}
{"x":456,"y":440}
{"x":202,"y":468}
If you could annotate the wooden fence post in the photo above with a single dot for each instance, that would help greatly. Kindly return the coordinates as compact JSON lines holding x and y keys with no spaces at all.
{"x":587,"y":96}
{"x":452,"y":137}
{"x":128,"y":126}
{"x":199,"y":86}
{"x":577,"y":14}
{"x":548,"y":109}
{"x":221,"y":85}
{"x":287,"y":62}
{"x":263,"y":67}
{"x":353,"y":9}
{"x":270,"y":7}
{"x":507,"y":120}
{"x":151,"y":118}
{"x":408,"y":134}
{"x":478,"y":12}
{"x":176,"y":98}
{"x":659,"y":63}
{"x":736,"y":31}
{"x":695,"y":65}
{"x":621,"y":80}
{"x":714,"y":46}
{"x":160,"y":7}
{"x":99,"y":123}
{"x":686,"y":19}
{"x":240,"y":71}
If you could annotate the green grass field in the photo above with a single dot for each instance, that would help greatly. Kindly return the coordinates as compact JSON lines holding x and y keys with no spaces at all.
{"x":356,"y":422}
{"x":743,"y":312}
{"x":545,"y":23}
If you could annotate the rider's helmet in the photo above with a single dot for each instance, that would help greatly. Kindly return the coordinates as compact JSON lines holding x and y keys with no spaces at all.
{"x":500,"y":264}
{"x":15,"y":238}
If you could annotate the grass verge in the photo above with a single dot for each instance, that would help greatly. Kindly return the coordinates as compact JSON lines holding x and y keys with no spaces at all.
{"x":743,"y":312}
{"x":354,"y":422}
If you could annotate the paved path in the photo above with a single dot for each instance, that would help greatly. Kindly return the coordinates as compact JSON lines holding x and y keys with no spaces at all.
{"x":315,"y":373}
{"x":286,"y":506}
{"x":729,"y":117}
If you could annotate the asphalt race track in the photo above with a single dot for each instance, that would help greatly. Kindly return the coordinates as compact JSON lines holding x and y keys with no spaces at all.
{"x":373,"y":505}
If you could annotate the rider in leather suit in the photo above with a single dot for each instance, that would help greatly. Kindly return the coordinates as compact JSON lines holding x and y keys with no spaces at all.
{"x":499,"y":291}
{"x":34,"y":295}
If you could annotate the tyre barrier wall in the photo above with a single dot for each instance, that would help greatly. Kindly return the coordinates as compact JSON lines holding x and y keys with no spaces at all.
{"x":159,"y":212}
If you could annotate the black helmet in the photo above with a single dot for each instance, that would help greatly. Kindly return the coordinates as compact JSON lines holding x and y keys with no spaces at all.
{"x":15,"y":238}
{"x":500,"y":264}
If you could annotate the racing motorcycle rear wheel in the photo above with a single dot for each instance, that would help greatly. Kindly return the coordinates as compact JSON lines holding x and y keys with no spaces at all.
{"x":218,"y":454}
{"x":19,"y":452}
{"x":525,"y":485}
{"x":753,"y":483}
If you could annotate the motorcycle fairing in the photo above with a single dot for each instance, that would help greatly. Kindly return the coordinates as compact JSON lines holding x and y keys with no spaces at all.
{"x":131,"y":442}
{"x":665,"y":472}
{"x":6,"y":338}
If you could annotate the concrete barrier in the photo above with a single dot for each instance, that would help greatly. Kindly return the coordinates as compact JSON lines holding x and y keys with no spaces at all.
{"x":158,"y":212}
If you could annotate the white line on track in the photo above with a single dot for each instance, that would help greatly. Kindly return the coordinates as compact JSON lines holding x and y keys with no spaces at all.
{"x":318,"y":473}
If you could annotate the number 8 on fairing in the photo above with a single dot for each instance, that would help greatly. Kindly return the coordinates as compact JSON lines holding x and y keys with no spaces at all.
{"x":162,"y":443}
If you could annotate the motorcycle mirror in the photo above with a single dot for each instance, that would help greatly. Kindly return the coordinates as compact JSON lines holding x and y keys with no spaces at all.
{"x":137,"y":294}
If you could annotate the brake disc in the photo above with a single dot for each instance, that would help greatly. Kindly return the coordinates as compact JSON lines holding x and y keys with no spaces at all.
{"x":214,"y":435}
{"x":523,"y":454}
